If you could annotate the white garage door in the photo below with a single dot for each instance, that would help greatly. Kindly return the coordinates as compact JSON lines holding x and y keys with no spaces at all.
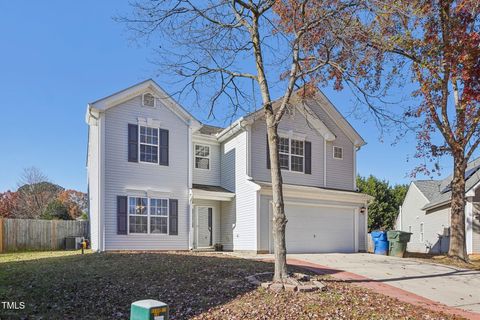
{"x":319,"y":229}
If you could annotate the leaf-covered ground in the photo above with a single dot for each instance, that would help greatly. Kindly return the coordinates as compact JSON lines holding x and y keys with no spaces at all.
{"x":474,"y":263}
{"x":63,"y":285}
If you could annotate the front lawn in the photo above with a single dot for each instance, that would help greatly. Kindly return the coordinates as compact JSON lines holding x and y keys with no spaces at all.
{"x":69,"y":285}
{"x":474,"y":263}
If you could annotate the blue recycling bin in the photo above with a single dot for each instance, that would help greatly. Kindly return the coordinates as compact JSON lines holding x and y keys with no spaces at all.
{"x":380,"y":242}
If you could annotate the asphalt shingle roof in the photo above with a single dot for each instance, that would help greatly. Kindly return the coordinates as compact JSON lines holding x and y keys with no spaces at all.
{"x":438,"y":191}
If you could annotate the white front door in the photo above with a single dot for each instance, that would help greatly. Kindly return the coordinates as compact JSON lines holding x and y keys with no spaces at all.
{"x":204,"y":227}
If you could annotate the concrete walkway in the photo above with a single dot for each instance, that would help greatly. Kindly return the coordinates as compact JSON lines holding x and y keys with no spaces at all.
{"x":453,"y":287}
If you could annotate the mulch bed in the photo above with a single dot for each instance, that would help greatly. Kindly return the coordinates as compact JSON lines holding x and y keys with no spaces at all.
{"x":194,"y":285}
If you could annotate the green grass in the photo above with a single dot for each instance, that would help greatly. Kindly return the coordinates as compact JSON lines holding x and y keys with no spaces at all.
{"x":68,"y":285}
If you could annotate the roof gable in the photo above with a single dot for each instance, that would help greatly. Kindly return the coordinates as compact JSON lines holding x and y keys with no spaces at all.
{"x":150,"y":86}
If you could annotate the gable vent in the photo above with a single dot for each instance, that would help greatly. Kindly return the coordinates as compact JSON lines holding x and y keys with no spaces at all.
{"x":148,"y":100}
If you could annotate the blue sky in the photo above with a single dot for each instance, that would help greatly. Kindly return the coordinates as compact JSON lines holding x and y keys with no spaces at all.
{"x":59,"y":55}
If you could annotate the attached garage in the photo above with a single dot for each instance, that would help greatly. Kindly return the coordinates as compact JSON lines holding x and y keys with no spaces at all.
{"x":315,"y":228}
{"x":320,"y":229}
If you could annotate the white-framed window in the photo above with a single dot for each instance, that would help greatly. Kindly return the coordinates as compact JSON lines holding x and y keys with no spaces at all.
{"x":148,"y":144}
{"x":421,"y":232}
{"x":148,"y":100}
{"x":147,"y":215}
{"x":291,"y":154}
{"x":337,"y":152}
{"x":202,"y":157}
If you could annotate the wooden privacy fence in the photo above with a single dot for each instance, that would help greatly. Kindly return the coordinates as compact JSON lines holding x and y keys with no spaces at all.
{"x":31,"y":234}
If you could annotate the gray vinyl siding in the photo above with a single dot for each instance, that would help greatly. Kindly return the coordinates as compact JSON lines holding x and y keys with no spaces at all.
{"x":340,"y":173}
{"x":297,"y":124}
{"x":433,"y":223}
{"x":212,"y":176}
{"x":122,"y":176}
{"x":239,"y":216}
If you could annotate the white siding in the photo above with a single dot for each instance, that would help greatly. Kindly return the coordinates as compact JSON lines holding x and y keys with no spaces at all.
{"x":298,"y":124}
{"x":433,"y":223}
{"x":93,"y":175}
{"x":239,"y":216}
{"x":362,"y":231}
{"x":212,"y":176}
{"x":122,"y":176}
{"x":476,"y":223}
{"x":340,"y":173}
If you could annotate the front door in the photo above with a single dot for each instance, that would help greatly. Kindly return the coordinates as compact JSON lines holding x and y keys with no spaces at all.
{"x":204,"y":227}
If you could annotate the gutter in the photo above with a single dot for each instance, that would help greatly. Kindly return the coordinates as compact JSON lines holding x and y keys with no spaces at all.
{"x":427,"y":207}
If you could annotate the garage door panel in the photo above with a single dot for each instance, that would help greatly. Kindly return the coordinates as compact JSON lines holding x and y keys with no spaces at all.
{"x":319,"y":229}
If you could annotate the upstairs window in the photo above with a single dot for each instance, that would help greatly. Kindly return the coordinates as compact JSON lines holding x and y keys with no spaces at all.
{"x":148,"y":100}
{"x":148,"y":144}
{"x":422,"y":238}
{"x":202,"y":157}
{"x":337,"y":152}
{"x":291,"y":154}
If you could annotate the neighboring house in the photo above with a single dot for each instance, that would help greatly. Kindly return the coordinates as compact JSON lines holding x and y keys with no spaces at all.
{"x":426,"y":213}
{"x":160,"y":180}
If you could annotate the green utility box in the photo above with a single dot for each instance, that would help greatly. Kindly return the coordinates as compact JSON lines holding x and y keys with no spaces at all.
{"x":149,"y":310}
{"x":398,"y":242}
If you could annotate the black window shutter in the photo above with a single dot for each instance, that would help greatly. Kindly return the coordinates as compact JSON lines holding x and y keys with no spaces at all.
{"x":210,"y":224}
{"x":268,"y":154}
{"x":173,"y":217}
{"x":121,"y":215}
{"x":132,"y":143}
{"x":308,"y":157}
{"x":163,"y":147}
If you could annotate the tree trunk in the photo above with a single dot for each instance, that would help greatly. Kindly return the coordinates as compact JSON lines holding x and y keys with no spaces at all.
{"x":279,"y":217}
{"x":457,"y":216}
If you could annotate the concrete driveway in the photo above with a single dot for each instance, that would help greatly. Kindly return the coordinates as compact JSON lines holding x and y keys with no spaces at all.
{"x":454,"y":287}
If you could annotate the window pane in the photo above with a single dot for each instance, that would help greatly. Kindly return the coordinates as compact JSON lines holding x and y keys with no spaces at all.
{"x":158,"y":224}
{"x":202,"y":151}
{"x":297,"y":163}
{"x":138,"y":224}
{"x":297,"y":147}
{"x":202,"y":163}
{"x":283,"y":161}
{"x":338,"y":152}
{"x":159,"y":207}
{"x":283,"y":145}
{"x":149,"y":135}
{"x":148,"y":153}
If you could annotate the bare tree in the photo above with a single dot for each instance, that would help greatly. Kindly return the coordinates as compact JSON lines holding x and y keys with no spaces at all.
{"x":34,"y":193}
{"x":232,"y":48}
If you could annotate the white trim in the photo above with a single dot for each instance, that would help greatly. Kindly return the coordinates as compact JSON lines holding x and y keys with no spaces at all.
{"x":101,"y":181}
{"x":203,"y":157}
{"x":290,"y":154}
{"x":304,"y":192}
{"x":354,"y":168}
{"x":355,"y":228}
{"x":333,"y":152}
{"x":198,"y":194}
{"x":324,"y":162}
{"x":469,"y":225}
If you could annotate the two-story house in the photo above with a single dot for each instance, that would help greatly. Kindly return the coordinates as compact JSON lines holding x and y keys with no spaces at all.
{"x":160,"y":180}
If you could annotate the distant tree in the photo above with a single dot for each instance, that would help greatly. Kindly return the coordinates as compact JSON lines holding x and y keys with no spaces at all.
{"x":35,"y":192}
{"x":75,"y":201}
{"x":56,"y":210}
{"x":383,"y":210}
{"x":8,"y":204}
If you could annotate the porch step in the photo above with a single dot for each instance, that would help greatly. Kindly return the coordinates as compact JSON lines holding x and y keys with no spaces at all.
{"x":203,"y":250}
